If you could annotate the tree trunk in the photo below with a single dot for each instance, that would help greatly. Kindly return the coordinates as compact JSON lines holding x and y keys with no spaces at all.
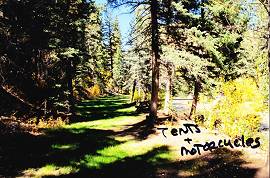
{"x":202,"y":14}
{"x":268,"y":37}
{"x":133,"y":90}
{"x":70,"y":74}
{"x":168,"y":90}
{"x":197,"y":89}
{"x":268,"y":5}
{"x":167,"y":96}
{"x":197,"y":82}
{"x":168,"y":19}
{"x":111,"y":54}
{"x":144,"y":95}
{"x":155,"y":61}
{"x":139,"y":91}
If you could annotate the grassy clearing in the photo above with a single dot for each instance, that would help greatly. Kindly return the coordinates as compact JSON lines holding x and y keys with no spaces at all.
{"x":106,"y":142}
{"x":114,"y":116}
{"x":116,"y":122}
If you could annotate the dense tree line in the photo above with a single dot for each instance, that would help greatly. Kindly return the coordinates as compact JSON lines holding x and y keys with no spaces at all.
{"x":51,"y":52}
{"x":55,"y":53}
{"x":200,"y":43}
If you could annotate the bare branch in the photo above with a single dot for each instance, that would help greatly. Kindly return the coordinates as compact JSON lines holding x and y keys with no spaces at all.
{"x":128,"y":3}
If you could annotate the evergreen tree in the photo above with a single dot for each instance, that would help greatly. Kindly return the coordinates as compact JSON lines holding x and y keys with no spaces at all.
{"x":117,"y":71}
{"x":42,"y":50}
{"x":205,"y":39}
{"x":139,"y":53}
{"x":94,"y":70}
{"x":155,"y":49}
{"x":112,"y":40}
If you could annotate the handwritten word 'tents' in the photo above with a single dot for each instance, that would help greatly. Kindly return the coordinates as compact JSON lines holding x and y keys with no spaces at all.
{"x":193,"y":128}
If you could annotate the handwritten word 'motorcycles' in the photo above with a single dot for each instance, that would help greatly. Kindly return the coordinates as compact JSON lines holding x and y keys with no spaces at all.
{"x":210,"y":146}
{"x":187,"y":128}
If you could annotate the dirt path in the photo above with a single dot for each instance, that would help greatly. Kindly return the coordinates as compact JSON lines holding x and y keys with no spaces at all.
{"x":222,"y":162}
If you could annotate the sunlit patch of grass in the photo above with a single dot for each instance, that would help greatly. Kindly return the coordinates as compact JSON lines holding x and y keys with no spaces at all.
{"x":65,"y":146}
{"x":112,"y":154}
{"x":124,"y":138}
{"x":96,"y":106}
{"x":49,"y":170}
{"x":104,"y":102}
{"x":127,"y":110}
{"x":107,"y":124}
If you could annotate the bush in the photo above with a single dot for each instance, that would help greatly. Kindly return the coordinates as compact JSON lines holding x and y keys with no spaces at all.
{"x":137,"y":96}
{"x":94,"y":91}
{"x":237,"y":113}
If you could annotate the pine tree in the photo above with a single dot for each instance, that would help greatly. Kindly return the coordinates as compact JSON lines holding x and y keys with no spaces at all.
{"x":45,"y":45}
{"x":112,"y":40}
{"x":93,"y":70}
{"x":117,"y":56}
{"x":155,"y":50}
{"x":204,"y":39}
{"x":139,"y":54}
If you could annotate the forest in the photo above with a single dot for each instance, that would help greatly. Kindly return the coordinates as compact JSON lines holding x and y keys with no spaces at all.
{"x":79,"y":98}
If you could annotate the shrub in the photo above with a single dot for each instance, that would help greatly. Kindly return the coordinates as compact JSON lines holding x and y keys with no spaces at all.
{"x":52,"y":123}
{"x":199,"y":119}
{"x":94,"y":91}
{"x":137,"y":96}
{"x":237,"y":113}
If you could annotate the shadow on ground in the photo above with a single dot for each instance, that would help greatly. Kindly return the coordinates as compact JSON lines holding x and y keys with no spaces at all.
{"x":81,"y":152}
{"x":19,"y":153}
{"x":146,"y":166}
{"x":104,"y":108}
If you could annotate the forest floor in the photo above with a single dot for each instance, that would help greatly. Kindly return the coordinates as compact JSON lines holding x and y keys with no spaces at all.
{"x":111,"y":141}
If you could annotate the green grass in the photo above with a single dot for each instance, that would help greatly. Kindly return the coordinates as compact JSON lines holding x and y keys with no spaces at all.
{"x":106,"y":145}
{"x":65,"y":146}
{"x":111,"y":154}
{"x":128,"y":149}
{"x":95,"y":144}
{"x":109,"y":123}
{"x":49,"y":170}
